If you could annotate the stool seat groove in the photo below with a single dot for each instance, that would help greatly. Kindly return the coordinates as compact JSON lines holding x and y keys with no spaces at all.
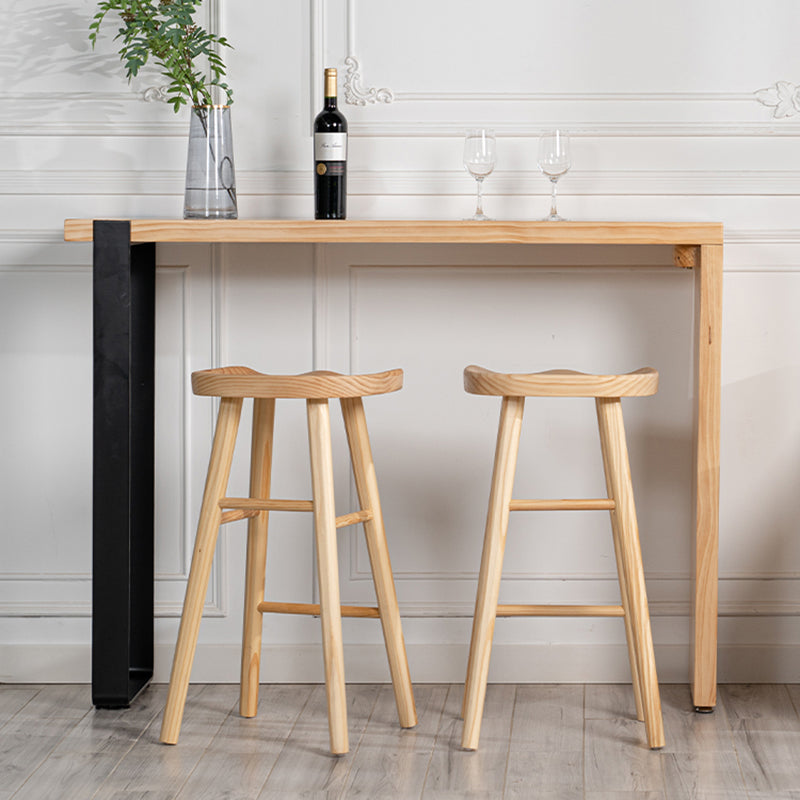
{"x":560,"y":383}
{"x":321,"y":384}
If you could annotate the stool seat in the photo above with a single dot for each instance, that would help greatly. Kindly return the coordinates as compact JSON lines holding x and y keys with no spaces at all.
{"x":560,"y":383}
{"x":321,"y":384}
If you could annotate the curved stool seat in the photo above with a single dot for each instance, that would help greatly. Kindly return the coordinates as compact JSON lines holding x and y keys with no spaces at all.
{"x":246,"y":382}
{"x":560,"y":383}
{"x":606,"y":391}
{"x":232,"y":385}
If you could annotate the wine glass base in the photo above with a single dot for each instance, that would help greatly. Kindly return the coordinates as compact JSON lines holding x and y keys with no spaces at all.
{"x":479,"y":218}
{"x":554,"y":218}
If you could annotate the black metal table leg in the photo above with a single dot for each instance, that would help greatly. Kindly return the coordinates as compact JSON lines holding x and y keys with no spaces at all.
{"x":123,"y":469}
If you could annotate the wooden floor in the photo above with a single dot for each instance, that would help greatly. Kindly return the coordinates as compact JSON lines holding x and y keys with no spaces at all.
{"x":538,"y":741}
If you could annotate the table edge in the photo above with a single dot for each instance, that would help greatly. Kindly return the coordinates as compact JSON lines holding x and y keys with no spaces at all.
{"x":409,"y":231}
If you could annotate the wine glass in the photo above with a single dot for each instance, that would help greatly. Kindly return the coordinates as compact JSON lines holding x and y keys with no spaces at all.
{"x":554,"y":161}
{"x":479,"y":160}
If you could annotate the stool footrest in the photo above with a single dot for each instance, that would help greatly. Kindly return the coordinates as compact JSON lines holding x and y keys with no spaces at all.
{"x":313,"y":609}
{"x":254,"y":504}
{"x":559,"y":611}
{"x":246,"y":507}
{"x":235,"y":516}
{"x":591,"y":504}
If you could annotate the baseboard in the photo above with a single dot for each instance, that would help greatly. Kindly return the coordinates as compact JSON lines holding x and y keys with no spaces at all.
{"x":429,"y":663}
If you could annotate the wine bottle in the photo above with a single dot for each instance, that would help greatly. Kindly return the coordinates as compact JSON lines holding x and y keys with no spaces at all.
{"x":330,"y":156}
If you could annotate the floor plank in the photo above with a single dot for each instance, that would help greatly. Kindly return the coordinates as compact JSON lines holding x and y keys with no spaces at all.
{"x":392,"y":762}
{"x":456,"y":772}
{"x":12,"y":700}
{"x":770,"y":760}
{"x":551,"y":742}
{"x":305,"y":766}
{"x":759,"y":707}
{"x":151,"y":766}
{"x":241,"y":756}
{"x":617,"y":759}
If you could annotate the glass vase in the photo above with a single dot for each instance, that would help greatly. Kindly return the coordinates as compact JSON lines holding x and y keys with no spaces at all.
{"x":210,"y":175}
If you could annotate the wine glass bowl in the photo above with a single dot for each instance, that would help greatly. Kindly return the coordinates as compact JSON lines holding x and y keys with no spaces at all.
{"x":479,"y":159}
{"x":554,"y":161}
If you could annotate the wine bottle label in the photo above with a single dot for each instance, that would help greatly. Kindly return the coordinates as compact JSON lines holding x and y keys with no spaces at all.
{"x":330,"y":147}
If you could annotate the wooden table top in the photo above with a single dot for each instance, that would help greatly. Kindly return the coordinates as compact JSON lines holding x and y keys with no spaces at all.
{"x":410,"y":231}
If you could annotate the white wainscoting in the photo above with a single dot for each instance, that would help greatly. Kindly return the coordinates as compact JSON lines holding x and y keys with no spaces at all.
{"x":678,"y":110}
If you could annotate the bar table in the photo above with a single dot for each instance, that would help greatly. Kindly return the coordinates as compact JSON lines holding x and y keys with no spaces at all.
{"x":124,"y":258}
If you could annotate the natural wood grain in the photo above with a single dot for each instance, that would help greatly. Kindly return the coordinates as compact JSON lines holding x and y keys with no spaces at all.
{"x":205,"y":542}
{"x":319,"y":439}
{"x":320,"y":384}
{"x":355,"y":424}
{"x":625,"y":596}
{"x":260,"y":481}
{"x":708,"y":335}
{"x":313,"y":609}
{"x":553,"y":610}
{"x":262,"y":504}
{"x":599,"y":504}
{"x":560,"y":383}
{"x":491,"y":570}
{"x":423,"y":231}
{"x":686,"y":256}
{"x":617,"y":469}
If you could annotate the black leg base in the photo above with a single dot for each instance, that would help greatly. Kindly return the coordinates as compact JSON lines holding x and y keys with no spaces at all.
{"x":138,"y":680}
{"x":704,"y":709}
{"x":123,"y":454}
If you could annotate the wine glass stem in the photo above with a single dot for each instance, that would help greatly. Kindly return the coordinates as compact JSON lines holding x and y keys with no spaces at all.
{"x":479,"y":209}
{"x":554,"y":183}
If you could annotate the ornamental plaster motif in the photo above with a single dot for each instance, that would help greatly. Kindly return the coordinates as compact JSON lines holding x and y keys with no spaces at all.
{"x":784,"y":97}
{"x":355,"y":94}
{"x":156,"y":94}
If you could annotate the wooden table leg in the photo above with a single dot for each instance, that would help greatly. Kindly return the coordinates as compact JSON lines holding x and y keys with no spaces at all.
{"x":708,"y":336}
{"x":123,"y":450}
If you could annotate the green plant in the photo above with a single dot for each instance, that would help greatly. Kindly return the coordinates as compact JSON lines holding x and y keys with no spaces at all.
{"x":165,"y":31}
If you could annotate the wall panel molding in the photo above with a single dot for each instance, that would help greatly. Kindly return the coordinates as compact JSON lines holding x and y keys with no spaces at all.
{"x":411,"y":182}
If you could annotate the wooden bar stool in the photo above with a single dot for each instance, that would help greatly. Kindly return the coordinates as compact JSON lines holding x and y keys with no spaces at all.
{"x":607,"y":391}
{"x":232,"y":385}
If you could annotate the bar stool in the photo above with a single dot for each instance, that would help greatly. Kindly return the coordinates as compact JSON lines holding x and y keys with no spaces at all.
{"x":232,"y":385}
{"x":606,"y":391}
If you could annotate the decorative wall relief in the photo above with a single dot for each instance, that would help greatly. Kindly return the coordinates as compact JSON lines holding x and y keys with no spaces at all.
{"x":353,"y":91}
{"x":784,"y":97}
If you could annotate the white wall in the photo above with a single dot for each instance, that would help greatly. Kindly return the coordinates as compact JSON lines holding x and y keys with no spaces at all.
{"x":683,"y":110}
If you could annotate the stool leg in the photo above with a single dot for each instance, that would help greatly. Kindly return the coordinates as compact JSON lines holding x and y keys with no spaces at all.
{"x":260,"y":473}
{"x":207,"y":528}
{"x":319,"y":437}
{"x":612,"y":436}
{"x":494,"y":541}
{"x":355,"y":424}
{"x":623,"y":587}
